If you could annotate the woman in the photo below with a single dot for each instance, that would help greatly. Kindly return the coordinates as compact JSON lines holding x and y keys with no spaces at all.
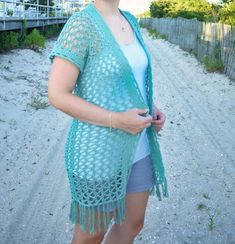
{"x":101,"y":76}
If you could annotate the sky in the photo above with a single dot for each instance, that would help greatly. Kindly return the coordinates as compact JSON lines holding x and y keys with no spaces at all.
{"x":141,"y":6}
{"x":133,"y":7}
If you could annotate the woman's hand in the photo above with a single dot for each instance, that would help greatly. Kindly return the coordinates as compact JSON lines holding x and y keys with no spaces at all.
{"x":158,"y":118}
{"x":132,"y":121}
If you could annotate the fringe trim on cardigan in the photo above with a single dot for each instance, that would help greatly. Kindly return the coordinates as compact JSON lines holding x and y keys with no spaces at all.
{"x":88,"y":213}
{"x":156,"y":189}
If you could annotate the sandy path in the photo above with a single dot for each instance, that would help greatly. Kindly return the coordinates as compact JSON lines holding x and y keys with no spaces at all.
{"x":33,"y":182}
{"x":198,"y":147}
{"x":197,"y":144}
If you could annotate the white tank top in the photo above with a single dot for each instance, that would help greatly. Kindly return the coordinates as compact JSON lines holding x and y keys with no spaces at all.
{"x":138,"y":61}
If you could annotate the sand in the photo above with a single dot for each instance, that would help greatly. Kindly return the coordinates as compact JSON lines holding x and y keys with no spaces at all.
{"x":197,"y":144}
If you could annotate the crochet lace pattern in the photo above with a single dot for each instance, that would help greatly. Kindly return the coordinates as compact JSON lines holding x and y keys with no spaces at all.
{"x":98,"y":161}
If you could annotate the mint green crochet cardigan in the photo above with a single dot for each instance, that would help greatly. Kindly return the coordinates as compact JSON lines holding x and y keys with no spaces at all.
{"x":98,"y":161}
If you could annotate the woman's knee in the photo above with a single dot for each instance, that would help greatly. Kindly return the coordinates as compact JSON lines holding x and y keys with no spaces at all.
{"x":136,"y":227}
{"x":132,"y":227}
{"x":82,"y":237}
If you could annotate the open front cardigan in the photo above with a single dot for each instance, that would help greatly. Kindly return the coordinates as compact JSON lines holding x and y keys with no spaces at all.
{"x":98,"y":161}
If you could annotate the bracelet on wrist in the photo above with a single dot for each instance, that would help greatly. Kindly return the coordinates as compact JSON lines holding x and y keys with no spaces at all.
{"x":110,"y":121}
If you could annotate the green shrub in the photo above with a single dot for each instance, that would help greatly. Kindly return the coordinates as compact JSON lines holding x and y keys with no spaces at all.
{"x":23,"y":33}
{"x":142,"y":25}
{"x":227,"y":13}
{"x":160,"y":8}
{"x":51,"y":30}
{"x":194,"y":53}
{"x":145,"y":14}
{"x":212,"y":64}
{"x":190,"y":15}
{"x":34,"y":39}
{"x":8,"y":40}
{"x":154,"y":34}
{"x":200,"y":9}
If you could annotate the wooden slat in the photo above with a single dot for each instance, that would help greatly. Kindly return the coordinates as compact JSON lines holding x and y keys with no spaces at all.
{"x":217,"y":40}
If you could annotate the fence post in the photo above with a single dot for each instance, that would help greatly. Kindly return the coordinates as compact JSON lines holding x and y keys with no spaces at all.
{"x":23,"y":9}
{"x":67,"y":8}
{"x":37,"y":9}
{"x":62,"y":8}
{"x":48,"y":10}
{"x":4,"y":16}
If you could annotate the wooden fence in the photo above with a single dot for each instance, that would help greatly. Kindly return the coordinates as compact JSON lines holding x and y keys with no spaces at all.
{"x":216,"y":40}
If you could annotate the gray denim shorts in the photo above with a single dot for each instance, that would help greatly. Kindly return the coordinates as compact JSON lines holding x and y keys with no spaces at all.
{"x":141,"y":178}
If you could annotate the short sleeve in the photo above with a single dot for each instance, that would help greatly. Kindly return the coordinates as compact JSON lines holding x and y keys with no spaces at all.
{"x":73,"y":41}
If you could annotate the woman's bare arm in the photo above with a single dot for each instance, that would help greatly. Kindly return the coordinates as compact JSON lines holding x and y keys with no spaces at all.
{"x":62,"y":79}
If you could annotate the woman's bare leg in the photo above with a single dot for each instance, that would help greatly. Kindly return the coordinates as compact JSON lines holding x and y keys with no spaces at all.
{"x":125,"y":233}
{"x":81,"y":237}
